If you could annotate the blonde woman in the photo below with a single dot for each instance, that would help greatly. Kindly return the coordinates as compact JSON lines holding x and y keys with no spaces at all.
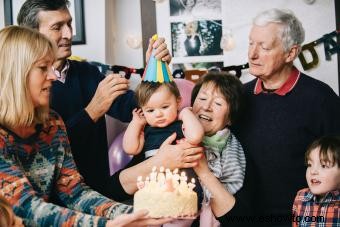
{"x":35,"y":154}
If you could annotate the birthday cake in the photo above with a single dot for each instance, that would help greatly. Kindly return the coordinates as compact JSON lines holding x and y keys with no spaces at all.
{"x":166,"y":194}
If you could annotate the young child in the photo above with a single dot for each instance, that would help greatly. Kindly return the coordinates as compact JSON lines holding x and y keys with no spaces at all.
{"x":7,"y":216}
{"x":159,"y":99}
{"x":157,"y":119}
{"x":318,"y":205}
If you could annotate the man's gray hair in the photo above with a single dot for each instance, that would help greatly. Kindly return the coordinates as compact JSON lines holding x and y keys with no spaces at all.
{"x":28,"y":14}
{"x":292,"y":31}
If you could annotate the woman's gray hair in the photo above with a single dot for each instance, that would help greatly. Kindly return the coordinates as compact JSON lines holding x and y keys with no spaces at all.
{"x":28,"y":14}
{"x":292,"y":31}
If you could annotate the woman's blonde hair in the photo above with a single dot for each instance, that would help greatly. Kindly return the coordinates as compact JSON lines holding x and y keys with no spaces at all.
{"x":20,"y":49}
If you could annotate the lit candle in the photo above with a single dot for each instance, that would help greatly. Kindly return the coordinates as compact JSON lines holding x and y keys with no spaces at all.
{"x":161,"y":169}
{"x":175,"y":174}
{"x":168,"y":174}
{"x":183,"y":178}
{"x":161,"y":176}
{"x":153,"y":174}
{"x":192,"y":184}
{"x":147,"y":181}
{"x":140,"y":183}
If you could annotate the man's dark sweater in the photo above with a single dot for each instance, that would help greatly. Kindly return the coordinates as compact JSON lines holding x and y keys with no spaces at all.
{"x":88,"y":139}
{"x":275,"y":132}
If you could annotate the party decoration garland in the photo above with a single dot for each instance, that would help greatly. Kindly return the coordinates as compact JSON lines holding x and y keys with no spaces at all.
{"x":330,"y":46}
{"x":161,"y":69}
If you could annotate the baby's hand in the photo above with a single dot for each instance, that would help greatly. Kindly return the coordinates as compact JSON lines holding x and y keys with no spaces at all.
{"x":184,"y":111}
{"x":138,"y":117}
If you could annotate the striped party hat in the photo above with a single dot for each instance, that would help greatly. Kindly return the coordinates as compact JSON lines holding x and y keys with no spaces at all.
{"x":157,"y":70}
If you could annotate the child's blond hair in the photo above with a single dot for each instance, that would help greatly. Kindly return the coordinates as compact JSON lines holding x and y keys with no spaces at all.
{"x":146,"y":89}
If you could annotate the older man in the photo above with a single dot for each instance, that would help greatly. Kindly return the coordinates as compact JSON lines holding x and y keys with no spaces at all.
{"x":285,"y":111}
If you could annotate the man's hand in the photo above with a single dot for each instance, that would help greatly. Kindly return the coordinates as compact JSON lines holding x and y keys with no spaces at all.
{"x":136,"y":219}
{"x":182,"y":155}
{"x":112,"y":86}
{"x":161,"y":52}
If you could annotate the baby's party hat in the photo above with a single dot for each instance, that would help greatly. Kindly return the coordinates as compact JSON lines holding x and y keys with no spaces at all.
{"x":157,"y":70}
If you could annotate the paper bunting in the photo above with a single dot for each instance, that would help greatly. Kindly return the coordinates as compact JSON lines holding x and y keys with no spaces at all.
{"x":236,"y":68}
{"x":157,"y":70}
{"x":330,"y":46}
{"x":119,"y":69}
{"x":315,"y":59}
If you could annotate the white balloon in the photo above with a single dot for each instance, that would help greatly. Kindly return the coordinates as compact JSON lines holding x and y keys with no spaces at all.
{"x":227,"y":42}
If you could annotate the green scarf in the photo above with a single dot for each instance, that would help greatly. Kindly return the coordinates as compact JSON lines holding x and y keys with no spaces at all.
{"x":218,"y":141}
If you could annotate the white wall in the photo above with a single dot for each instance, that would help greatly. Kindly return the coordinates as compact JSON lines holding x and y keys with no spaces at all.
{"x":127,"y":22}
{"x":94,"y":49}
{"x":317,"y":19}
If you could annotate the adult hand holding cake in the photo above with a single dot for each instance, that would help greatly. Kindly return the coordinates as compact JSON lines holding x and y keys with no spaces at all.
{"x":137,"y":219}
{"x":166,"y":194}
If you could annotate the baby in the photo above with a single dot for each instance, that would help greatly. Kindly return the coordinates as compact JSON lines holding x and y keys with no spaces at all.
{"x":318,"y":205}
{"x":157,"y":119}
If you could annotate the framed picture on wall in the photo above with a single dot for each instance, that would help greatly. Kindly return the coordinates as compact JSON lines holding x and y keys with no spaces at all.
{"x":78,"y":22}
{"x":196,"y":38}
{"x":76,"y":9}
{"x":195,"y":7}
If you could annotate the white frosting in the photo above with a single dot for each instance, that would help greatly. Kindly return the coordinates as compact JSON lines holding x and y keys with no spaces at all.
{"x":166,"y":194}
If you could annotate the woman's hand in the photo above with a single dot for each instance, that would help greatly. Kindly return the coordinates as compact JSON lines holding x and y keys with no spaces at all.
{"x":182,"y":155}
{"x":221,"y":201}
{"x":136,"y":219}
{"x":202,"y":167}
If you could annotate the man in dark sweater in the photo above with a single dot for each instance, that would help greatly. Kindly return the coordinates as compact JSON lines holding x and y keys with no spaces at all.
{"x":82,"y":95}
{"x":285,"y":111}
